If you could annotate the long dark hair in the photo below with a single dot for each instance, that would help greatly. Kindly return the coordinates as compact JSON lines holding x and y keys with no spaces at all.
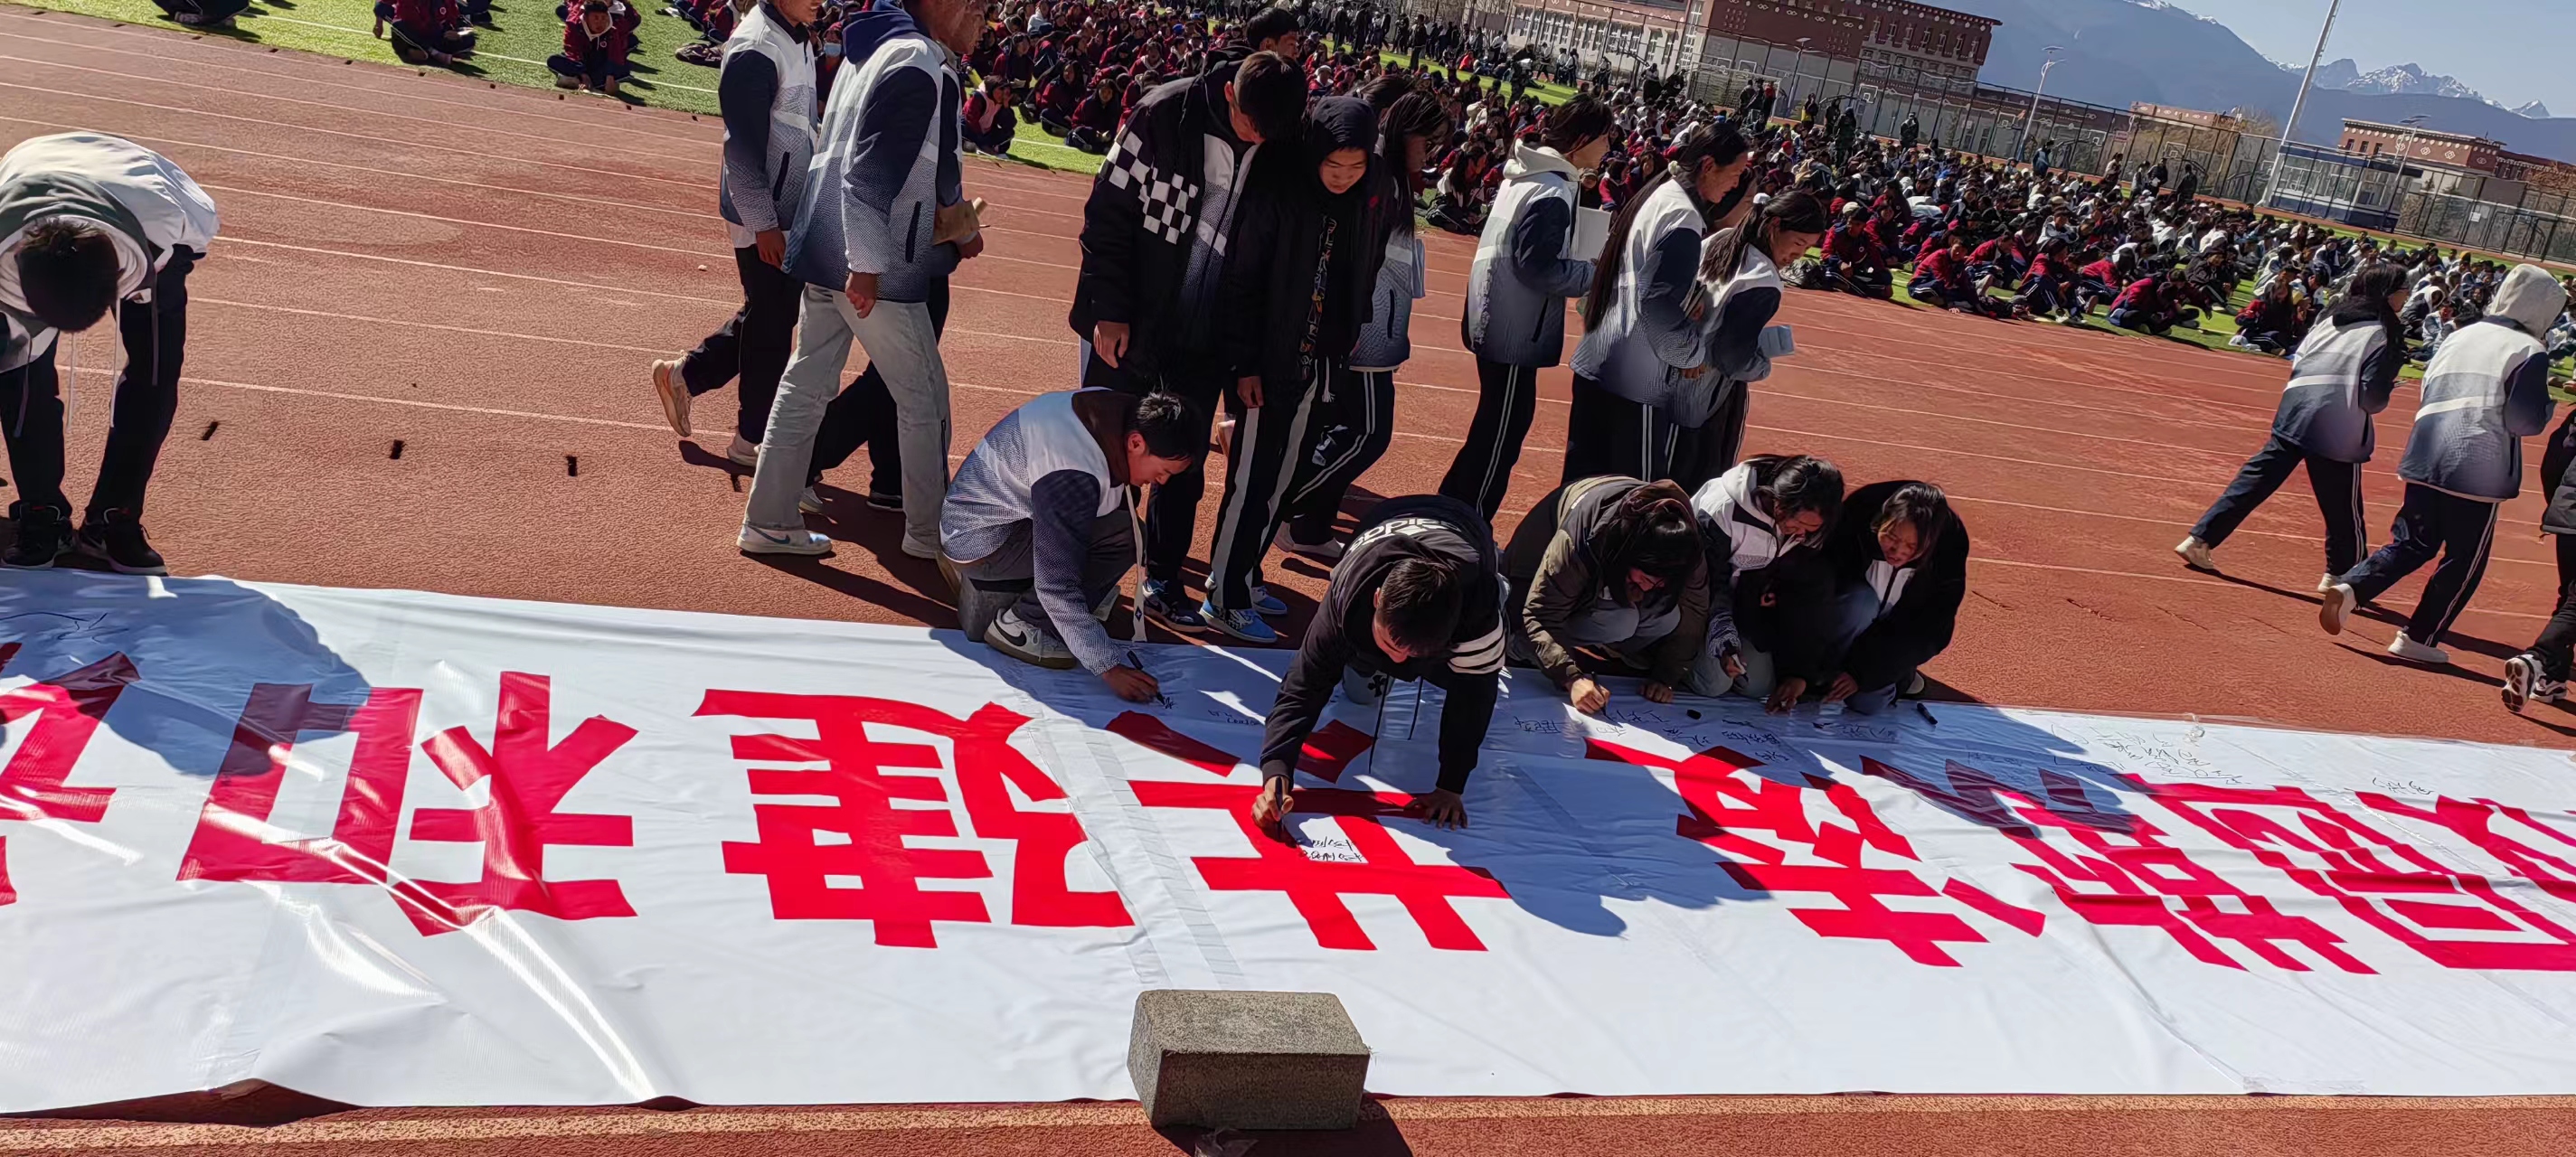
{"x":1797,"y":211}
{"x":1405,"y":111}
{"x":2367,"y":299}
{"x":1719,"y":144}
{"x":1651,"y":529}
{"x":1784,"y":485}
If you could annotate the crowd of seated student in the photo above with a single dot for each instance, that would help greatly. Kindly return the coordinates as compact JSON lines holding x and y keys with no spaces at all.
{"x":598,"y":37}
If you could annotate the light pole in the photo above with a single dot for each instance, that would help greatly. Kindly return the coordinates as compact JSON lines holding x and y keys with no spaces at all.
{"x":1794,"y":68}
{"x":2033,"y":122}
{"x":2272,"y":186}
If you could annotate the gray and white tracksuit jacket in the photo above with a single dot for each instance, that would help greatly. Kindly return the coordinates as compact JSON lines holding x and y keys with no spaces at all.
{"x":766,"y":92}
{"x":1385,"y":341}
{"x":887,"y":162}
{"x":147,"y":207}
{"x":1524,"y":270}
{"x":1646,"y":338}
{"x":2485,"y":392}
{"x":2342,"y":376}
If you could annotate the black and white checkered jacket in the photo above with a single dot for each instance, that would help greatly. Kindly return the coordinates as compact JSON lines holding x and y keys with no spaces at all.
{"x":1144,"y":218}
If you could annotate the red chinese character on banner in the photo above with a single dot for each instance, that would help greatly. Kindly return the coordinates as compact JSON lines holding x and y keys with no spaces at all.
{"x":1726,"y":801}
{"x":1316,"y":887}
{"x":1327,"y":752}
{"x":870,"y":850}
{"x":2455,"y":919}
{"x":234,"y":839}
{"x":527,"y":776}
{"x":2136,"y":876}
{"x":67,"y":710}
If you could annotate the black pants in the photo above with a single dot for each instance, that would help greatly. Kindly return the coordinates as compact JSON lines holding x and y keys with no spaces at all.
{"x":1257,"y":474}
{"x":753,"y":344}
{"x":206,"y":10}
{"x":1352,"y":427}
{"x":863,"y":415}
{"x":155,"y":333}
{"x":1710,"y":449}
{"x":2558,"y":639}
{"x":1173,"y":518}
{"x":2461,"y":530}
{"x":1507,"y":400}
{"x":598,"y":71}
{"x":1608,"y":434}
{"x":2338,"y":489}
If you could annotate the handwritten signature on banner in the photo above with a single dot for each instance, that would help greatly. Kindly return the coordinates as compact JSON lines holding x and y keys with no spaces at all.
{"x":2129,"y":850}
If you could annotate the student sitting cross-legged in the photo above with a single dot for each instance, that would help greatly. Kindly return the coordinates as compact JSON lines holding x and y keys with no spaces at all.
{"x":1038,"y":531}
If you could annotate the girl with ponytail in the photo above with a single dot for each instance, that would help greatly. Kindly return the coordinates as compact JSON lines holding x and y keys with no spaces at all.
{"x":1515,"y":317}
{"x":1644,"y":348}
{"x":1355,"y":419}
{"x":1740,"y":274}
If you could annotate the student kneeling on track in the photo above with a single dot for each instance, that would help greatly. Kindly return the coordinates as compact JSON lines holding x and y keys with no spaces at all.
{"x":1419,"y":595}
{"x":1038,"y":530}
{"x":1751,"y":519}
{"x":1898,"y":566}
{"x":1608,"y":576}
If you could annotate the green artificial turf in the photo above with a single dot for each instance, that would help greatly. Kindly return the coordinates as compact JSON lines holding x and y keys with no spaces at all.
{"x":513,"y":52}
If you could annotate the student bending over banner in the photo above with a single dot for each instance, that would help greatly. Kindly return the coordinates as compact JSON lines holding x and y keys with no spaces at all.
{"x":1750,"y":518}
{"x":1038,"y":530}
{"x":1897,"y":564}
{"x":1607,"y":575}
{"x":1419,"y":595}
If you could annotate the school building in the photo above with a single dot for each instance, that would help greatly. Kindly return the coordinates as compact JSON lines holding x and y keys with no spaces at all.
{"x":1804,"y":46}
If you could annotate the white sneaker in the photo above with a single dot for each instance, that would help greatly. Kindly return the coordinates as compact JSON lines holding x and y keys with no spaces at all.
{"x":2414,"y":652}
{"x":1328,"y":551}
{"x":674,"y":394}
{"x":808,"y":501}
{"x":1914,"y":686}
{"x":2326,"y":582}
{"x":2525,"y":682}
{"x":1028,"y":642}
{"x":2336,"y":606}
{"x":762,"y":540}
{"x":2195,"y":554}
{"x":2237,"y":341}
{"x":743,"y":452}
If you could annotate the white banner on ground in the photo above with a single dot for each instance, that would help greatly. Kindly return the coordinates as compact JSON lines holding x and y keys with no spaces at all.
{"x":395,"y":848}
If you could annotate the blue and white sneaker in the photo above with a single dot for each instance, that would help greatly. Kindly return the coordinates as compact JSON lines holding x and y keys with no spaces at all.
{"x":1169,"y":607}
{"x":1244,"y":625}
{"x":1263,"y":603}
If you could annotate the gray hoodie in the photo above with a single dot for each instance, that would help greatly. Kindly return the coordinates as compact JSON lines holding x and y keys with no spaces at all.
{"x":1523,"y":275}
{"x":2485,"y":392}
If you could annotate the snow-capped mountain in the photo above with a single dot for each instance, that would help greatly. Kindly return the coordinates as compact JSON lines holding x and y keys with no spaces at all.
{"x":2408,"y":79}
{"x":2534,"y":111}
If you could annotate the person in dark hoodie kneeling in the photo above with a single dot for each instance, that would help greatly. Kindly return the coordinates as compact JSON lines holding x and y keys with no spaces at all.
{"x":1899,"y":561}
{"x":1609,"y":576}
{"x":1419,"y":595}
{"x":1038,"y":532}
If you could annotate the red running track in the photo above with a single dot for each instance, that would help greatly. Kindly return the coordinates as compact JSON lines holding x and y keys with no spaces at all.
{"x":482,"y":275}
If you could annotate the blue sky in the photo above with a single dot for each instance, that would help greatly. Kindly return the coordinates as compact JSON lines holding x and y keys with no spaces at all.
{"x":2511,"y":51}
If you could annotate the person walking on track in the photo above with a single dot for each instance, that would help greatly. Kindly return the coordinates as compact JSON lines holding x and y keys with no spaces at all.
{"x":766,"y":91}
{"x":1524,"y":271}
{"x":2485,"y":392}
{"x":2540,"y":671}
{"x":90,"y":222}
{"x":2342,"y":376}
{"x":883,"y":220}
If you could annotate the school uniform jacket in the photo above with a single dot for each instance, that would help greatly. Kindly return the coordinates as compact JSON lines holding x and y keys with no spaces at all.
{"x":1386,"y":341}
{"x":1524,"y":268}
{"x":1557,"y":575}
{"x":766,"y":92}
{"x":2342,"y":375}
{"x":1159,"y":218}
{"x":1740,"y":541}
{"x":887,"y":161}
{"x":2485,"y":391}
{"x":1058,"y":464}
{"x":1343,"y":636}
{"x":147,"y":207}
{"x":1646,"y":336}
{"x":1918,"y":603}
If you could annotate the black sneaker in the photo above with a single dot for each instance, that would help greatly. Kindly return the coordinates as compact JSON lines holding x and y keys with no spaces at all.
{"x":2527,"y":680}
{"x":115,"y":537}
{"x":880,"y":500}
{"x":43,"y":536}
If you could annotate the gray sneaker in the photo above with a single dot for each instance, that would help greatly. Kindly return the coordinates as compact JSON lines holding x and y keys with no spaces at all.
{"x":1028,"y":642}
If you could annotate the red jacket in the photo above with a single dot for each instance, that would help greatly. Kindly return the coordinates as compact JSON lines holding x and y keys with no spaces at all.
{"x":1944,"y":270}
{"x":2146,"y":295}
{"x":1854,"y":247}
{"x":428,"y":14}
{"x":581,"y":47}
{"x":2103,"y":271}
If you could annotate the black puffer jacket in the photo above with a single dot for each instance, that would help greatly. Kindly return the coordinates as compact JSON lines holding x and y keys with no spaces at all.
{"x":2556,"y":460}
{"x":1142,"y":216}
{"x":1302,"y":267}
